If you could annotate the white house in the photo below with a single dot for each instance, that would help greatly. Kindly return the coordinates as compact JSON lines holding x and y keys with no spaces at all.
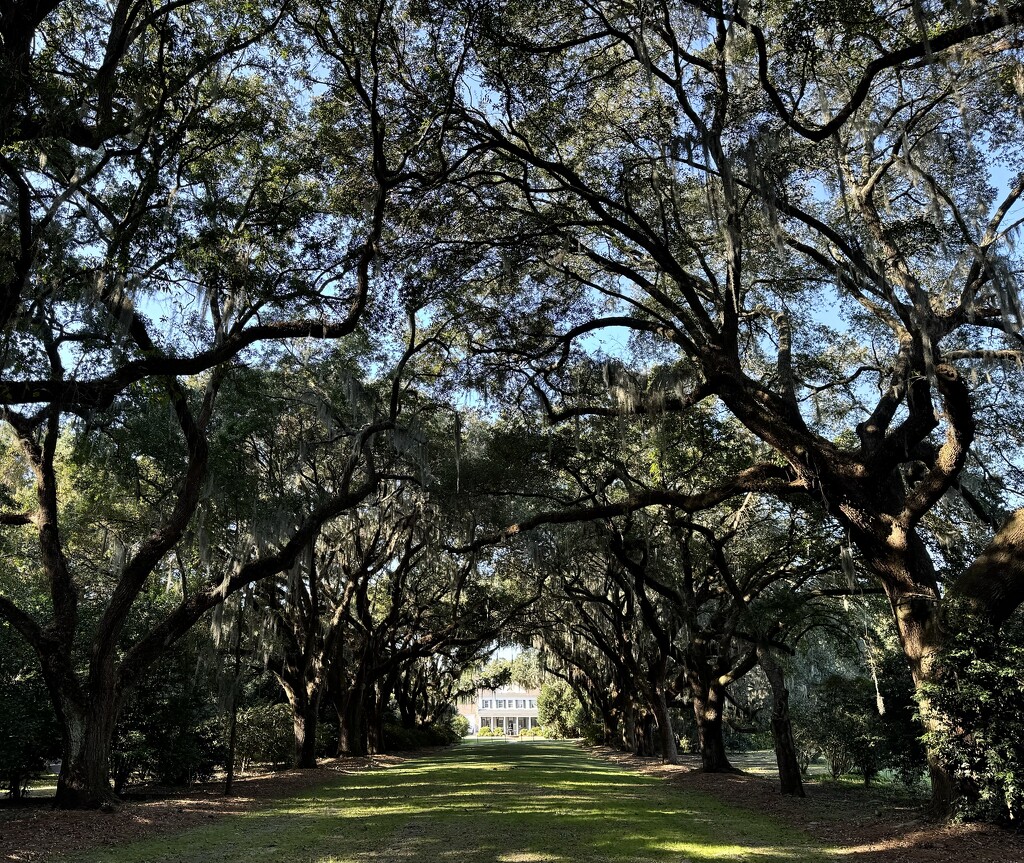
{"x":510,"y":708}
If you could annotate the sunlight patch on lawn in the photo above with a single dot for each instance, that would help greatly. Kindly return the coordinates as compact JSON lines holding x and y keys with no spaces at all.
{"x":698,"y":851}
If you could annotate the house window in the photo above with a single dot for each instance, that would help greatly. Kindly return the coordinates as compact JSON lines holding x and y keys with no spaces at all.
{"x":485,"y":704}
{"x":500,"y":703}
{"x":533,"y":703}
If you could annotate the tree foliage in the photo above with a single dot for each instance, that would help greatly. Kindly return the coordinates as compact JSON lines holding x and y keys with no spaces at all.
{"x":646,"y":333}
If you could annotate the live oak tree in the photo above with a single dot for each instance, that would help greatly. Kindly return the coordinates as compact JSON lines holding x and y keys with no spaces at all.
{"x":822,"y":245}
{"x":89,"y":87}
{"x":414,"y":607}
{"x":819,"y":250}
{"x":160,"y":234}
{"x":291,"y":450}
{"x":599,"y":638}
{"x":429,"y":688}
{"x":88,"y":703}
{"x":649,"y":609}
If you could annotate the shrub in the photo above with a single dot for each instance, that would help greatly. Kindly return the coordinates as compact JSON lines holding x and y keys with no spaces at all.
{"x":460,"y":726}
{"x":485,"y":731}
{"x":168,"y":729}
{"x":29,"y":733}
{"x":560,"y":711}
{"x":842,"y":724}
{"x":867,"y":751}
{"x":807,"y":749}
{"x":904,"y":751}
{"x":265,"y":736}
{"x":981,"y":736}
{"x":399,"y":738}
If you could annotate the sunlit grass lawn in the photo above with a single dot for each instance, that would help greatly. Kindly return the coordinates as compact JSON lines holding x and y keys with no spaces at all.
{"x":486,"y":801}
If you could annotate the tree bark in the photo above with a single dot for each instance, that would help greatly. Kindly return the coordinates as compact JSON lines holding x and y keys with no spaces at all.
{"x":236,"y":680}
{"x":708,"y":702}
{"x":919,"y":624}
{"x":229,"y":779}
{"x":305,"y":719}
{"x":906,"y":571}
{"x":375,"y":722}
{"x":782,"y":729}
{"x":84,"y":781}
{"x":994,"y":583}
{"x":628,"y":728}
{"x":645,"y":736}
{"x":16,"y":785}
{"x":352,"y":732}
{"x":666,"y":735}
{"x":609,"y":727}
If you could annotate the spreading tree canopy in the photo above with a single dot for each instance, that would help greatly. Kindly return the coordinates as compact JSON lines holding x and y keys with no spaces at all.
{"x":268,"y":267}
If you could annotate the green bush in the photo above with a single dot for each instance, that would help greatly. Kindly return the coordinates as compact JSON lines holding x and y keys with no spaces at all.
{"x":843,"y":724}
{"x":168,"y":729}
{"x":265,"y":735}
{"x":398,"y":738}
{"x":899,"y":727}
{"x":560,"y":711}
{"x":460,"y":726}
{"x":29,"y":734}
{"x":807,"y":749}
{"x":485,"y":731}
{"x":981,"y":701}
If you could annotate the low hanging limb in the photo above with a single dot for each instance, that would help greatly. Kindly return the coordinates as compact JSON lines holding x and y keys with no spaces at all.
{"x":994,"y":583}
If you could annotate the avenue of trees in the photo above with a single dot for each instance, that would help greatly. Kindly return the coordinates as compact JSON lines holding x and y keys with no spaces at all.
{"x":681,"y":341}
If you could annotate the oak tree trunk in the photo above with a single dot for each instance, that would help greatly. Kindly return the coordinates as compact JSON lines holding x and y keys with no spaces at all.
{"x":629,"y":729}
{"x":666,"y":736}
{"x":905,"y":568}
{"x":994,"y":582}
{"x":782,"y":728}
{"x":305,"y":719}
{"x":918,"y":621}
{"x":645,"y":736}
{"x":375,"y":725}
{"x":708,"y":703}
{"x":352,"y":734}
{"x":84,"y":780}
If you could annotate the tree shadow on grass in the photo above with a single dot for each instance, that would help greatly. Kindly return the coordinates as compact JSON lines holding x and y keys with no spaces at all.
{"x":511,"y":802}
{"x":502,"y":803}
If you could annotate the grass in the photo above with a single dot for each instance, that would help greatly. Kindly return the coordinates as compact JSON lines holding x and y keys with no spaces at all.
{"x":761,"y":762}
{"x":493,"y":801}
